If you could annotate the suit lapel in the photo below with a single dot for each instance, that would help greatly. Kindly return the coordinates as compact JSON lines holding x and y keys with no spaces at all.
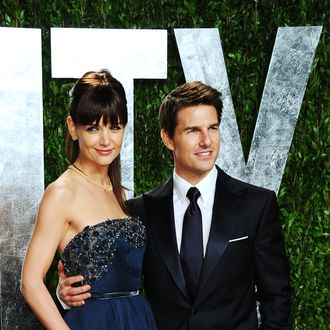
{"x":160,"y":215}
{"x":227,"y":201}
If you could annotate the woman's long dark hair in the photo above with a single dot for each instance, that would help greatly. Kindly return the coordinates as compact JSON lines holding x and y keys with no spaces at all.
{"x":95,"y":96}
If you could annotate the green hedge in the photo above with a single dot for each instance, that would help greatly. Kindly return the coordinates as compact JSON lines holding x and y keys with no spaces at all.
{"x":248,"y":30}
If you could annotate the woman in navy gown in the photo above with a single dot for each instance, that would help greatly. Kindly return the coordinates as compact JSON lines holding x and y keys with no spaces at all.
{"x":83,"y":215}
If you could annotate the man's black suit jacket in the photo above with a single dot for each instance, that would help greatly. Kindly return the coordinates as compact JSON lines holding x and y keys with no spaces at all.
{"x":245,"y":250}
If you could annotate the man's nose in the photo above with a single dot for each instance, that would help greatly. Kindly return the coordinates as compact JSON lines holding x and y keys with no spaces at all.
{"x":205,"y":139}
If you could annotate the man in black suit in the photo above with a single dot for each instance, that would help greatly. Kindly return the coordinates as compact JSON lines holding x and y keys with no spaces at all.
{"x":210,"y":256}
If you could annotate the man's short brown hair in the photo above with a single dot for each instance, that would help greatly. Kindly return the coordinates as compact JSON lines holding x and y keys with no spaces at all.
{"x":189,"y":94}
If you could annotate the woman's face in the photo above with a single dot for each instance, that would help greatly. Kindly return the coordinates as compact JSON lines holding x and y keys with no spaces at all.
{"x":99,"y":144}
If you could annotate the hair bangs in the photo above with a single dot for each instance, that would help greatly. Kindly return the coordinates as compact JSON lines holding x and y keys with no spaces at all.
{"x":101,"y":103}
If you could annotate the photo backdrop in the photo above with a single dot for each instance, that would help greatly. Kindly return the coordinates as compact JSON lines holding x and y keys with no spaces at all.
{"x":248,"y":30}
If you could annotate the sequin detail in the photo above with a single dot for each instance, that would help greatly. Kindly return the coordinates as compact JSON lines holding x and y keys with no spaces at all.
{"x":91,"y":252}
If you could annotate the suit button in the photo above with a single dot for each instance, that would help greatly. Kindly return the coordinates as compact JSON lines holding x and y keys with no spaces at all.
{"x":193,"y":311}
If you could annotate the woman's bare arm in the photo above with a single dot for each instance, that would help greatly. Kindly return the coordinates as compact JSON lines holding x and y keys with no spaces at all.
{"x":49,"y":230}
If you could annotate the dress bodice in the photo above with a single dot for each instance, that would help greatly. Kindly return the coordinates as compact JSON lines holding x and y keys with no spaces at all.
{"x":109,"y":255}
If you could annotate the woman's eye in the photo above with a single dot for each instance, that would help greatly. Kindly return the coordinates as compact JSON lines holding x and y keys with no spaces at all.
{"x":115,"y":127}
{"x":91,"y":128}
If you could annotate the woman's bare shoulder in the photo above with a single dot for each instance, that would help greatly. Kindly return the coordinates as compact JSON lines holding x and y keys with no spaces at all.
{"x":57,"y":201}
{"x":61,"y":191}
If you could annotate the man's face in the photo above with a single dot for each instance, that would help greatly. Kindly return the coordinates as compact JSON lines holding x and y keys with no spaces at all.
{"x":196,"y":142}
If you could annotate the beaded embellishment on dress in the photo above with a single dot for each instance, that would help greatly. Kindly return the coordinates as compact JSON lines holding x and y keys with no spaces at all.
{"x":90,"y":252}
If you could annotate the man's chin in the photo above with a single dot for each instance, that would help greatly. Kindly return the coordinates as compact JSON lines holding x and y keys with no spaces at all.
{"x":206,"y":165}
{"x":203,"y":171}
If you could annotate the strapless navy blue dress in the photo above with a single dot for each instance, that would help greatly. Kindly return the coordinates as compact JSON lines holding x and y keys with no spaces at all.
{"x":109,"y":255}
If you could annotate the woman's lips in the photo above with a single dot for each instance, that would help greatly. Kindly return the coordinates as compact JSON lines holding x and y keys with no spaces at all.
{"x":104,"y":152}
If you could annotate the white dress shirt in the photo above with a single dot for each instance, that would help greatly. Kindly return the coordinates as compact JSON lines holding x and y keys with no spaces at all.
{"x":205,"y":202}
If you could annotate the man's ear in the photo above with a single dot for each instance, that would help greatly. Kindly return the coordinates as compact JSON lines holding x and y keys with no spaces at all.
{"x":72,"y":128}
{"x":166,"y":140}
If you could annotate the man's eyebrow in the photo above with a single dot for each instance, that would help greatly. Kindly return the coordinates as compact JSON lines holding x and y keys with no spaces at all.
{"x":187,"y":128}
{"x":215,"y":124}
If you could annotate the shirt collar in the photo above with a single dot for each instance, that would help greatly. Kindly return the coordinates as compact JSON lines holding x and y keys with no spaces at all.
{"x":206,"y":186}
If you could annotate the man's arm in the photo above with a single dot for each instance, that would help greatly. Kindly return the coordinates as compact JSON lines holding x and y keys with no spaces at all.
{"x":272,"y":270}
{"x":71,"y":296}
{"x":135,"y":207}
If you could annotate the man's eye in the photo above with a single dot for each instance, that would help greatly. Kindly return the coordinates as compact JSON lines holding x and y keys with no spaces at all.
{"x":214,"y":128}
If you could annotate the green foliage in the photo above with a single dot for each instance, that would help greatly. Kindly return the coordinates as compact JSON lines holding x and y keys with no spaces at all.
{"x":247,"y":30}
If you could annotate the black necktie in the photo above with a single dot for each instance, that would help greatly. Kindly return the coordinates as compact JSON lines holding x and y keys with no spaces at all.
{"x":191,"y":252}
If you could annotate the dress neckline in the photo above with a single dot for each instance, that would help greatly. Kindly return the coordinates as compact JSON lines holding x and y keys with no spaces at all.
{"x":128,"y":218}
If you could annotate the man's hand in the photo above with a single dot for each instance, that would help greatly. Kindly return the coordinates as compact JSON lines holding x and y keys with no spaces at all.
{"x":72,"y":296}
